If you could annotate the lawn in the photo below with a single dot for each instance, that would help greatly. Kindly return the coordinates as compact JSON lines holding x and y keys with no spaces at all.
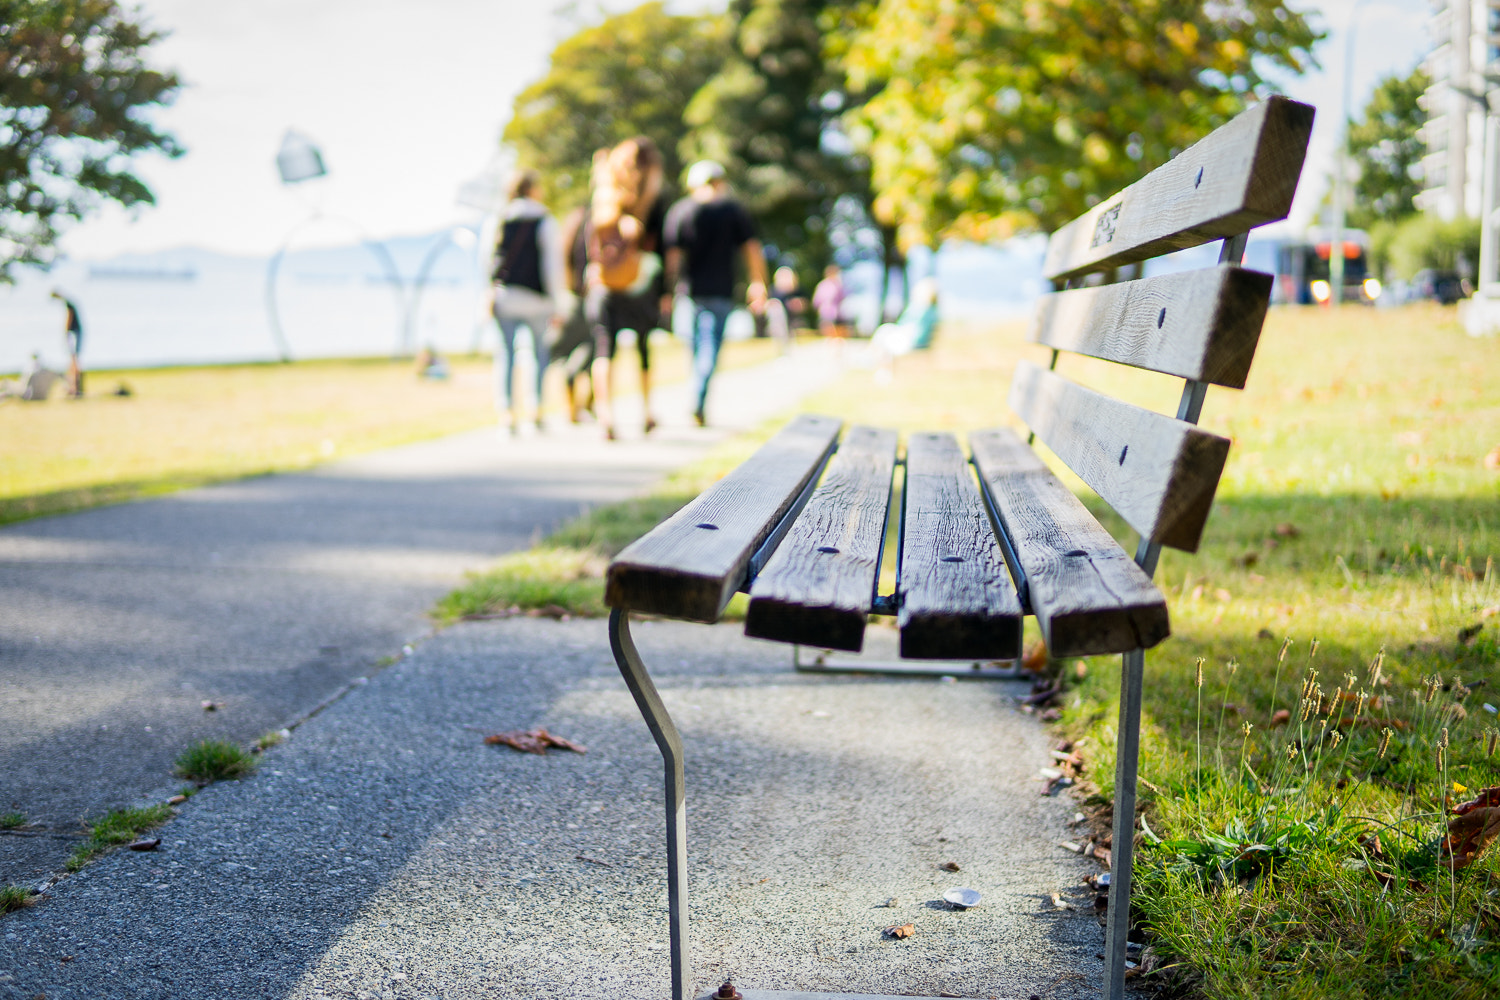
{"x":183,"y":427}
{"x":1296,"y":796}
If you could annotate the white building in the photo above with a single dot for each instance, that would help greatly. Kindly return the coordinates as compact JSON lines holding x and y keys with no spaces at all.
{"x":1466,"y":44}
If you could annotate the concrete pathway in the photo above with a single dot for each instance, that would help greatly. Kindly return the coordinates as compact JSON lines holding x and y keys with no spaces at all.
{"x":269,"y":595}
{"x":384,"y":851}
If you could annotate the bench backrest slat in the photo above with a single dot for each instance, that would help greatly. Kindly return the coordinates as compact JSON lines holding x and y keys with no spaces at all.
{"x":817,"y":588}
{"x":1088,"y":595}
{"x":1202,"y":325}
{"x":957,"y":597}
{"x":1241,"y":176}
{"x":1158,"y":473}
{"x":694,"y":561}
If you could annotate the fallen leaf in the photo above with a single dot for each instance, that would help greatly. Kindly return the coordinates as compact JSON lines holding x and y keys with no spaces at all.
{"x":1492,"y":460}
{"x":1280,"y":717}
{"x":593,"y":861}
{"x":212,"y":706}
{"x":1035,"y":657}
{"x":949,"y":866}
{"x":1103,"y":855}
{"x":146,"y":845}
{"x":1051,"y":715}
{"x":66,"y":958}
{"x":1287,"y":529}
{"x":1475,"y":826}
{"x":900,"y":931}
{"x":534,"y":741}
{"x":177,"y":800}
{"x":1466,"y":635}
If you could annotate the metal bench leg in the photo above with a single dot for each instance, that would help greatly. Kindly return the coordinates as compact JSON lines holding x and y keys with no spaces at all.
{"x":670,"y":744}
{"x":1122,"y":844}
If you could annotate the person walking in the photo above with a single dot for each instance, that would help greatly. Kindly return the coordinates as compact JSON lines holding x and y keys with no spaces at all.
{"x":704,"y":233}
{"x":530,"y":290}
{"x":624,"y":276}
{"x":73,"y":344}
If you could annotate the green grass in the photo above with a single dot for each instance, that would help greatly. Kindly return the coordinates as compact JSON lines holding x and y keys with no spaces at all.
{"x":13,"y":897}
{"x":214,"y":760}
{"x":12,"y":820}
{"x":187,"y":427}
{"x":122,"y":826}
{"x":1360,"y":507}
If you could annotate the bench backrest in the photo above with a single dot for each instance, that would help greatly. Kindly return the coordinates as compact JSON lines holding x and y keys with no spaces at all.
{"x":1158,"y":472}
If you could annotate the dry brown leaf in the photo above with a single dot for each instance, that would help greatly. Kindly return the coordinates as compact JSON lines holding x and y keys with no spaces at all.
{"x":949,"y":866}
{"x":146,"y":845}
{"x":900,"y":931}
{"x":1287,"y":529}
{"x":1281,"y":717}
{"x":534,"y":741}
{"x":1035,"y":657}
{"x":1474,"y":826}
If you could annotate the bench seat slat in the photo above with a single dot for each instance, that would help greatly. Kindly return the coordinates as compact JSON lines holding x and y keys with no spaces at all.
{"x":816,"y":589}
{"x":1088,"y":595}
{"x":1157,"y":472}
{"x":1202,"y":325}
{"x":957,"y":597}
{"x":1241,"y":176}
{"x":683,"y":570}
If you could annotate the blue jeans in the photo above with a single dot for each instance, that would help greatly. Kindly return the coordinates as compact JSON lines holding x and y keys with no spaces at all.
{"x":709,"y":316}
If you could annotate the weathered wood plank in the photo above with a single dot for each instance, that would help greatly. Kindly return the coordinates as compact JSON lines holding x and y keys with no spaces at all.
{"x":957,"y":598}
{"x":692,"y":563}
{"x":1240,"y":176}
{"x":816,"y":589}
{"x":1088,"y":595}
{"x":1157,"y":472}
{"x":1201,"y":325}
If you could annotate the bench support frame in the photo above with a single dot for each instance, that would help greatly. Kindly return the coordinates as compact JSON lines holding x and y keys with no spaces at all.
{"x":669,"y":742}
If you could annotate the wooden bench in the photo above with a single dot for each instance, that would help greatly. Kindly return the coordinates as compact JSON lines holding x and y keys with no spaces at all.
{"x":988,"y":537}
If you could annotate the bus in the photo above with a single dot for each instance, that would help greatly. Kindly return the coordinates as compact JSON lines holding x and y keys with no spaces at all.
{"x":1302,"y":272}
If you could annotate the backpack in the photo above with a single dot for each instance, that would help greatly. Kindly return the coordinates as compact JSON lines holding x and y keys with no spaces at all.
{"x":616,"y":247}
{"x":519,"y":260}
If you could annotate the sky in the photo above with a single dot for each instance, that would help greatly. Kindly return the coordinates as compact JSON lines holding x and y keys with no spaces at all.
{"x":406,"y":101}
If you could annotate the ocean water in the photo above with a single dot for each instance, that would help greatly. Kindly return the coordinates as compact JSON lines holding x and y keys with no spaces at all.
{"x":188,"y":306}
{"x":196,"y":308}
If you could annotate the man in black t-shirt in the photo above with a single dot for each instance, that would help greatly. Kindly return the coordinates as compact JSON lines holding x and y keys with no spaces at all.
{"x":704,"y":233}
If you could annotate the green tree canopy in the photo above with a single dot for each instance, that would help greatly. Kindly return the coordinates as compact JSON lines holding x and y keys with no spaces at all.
{"x":772,"y":116}
{"x":1386,"y":144}
{"x":631,"y":75}
{"x":1004,"y":115}
{"x":75,"y":94}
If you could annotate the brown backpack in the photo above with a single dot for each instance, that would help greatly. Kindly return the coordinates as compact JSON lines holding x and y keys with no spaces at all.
{"x":615,"y":246}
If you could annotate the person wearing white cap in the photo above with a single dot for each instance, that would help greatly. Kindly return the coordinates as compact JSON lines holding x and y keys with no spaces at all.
{"x":704,"y":233}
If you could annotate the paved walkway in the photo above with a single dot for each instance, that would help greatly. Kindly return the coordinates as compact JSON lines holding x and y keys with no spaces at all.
{"x":385,"y":851}
{"x":269,"y":595}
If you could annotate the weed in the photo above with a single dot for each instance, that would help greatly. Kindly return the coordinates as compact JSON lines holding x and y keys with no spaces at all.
{"x":270,"y":739}
{"x":13,"y":897}
{"x":214,"y":760}
{"x":118,"y":827}
{"x":12,"y":820}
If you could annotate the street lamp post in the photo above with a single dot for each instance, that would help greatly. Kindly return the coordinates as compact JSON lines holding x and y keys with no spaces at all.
{"x":1340,"y":175}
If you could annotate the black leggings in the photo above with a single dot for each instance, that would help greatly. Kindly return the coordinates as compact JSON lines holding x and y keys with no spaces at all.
{"x":611,"y":312}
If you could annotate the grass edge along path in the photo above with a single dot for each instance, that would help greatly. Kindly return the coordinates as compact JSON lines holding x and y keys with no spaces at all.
{"x":192,"y":426}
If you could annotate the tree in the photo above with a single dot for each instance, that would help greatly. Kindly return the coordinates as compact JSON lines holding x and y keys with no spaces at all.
{"x":75,"y":93}
{"x":772,"y":116}
{"x":1386,"y":144}
{"x":631,"y":75}
{"x":1000,"y":116}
